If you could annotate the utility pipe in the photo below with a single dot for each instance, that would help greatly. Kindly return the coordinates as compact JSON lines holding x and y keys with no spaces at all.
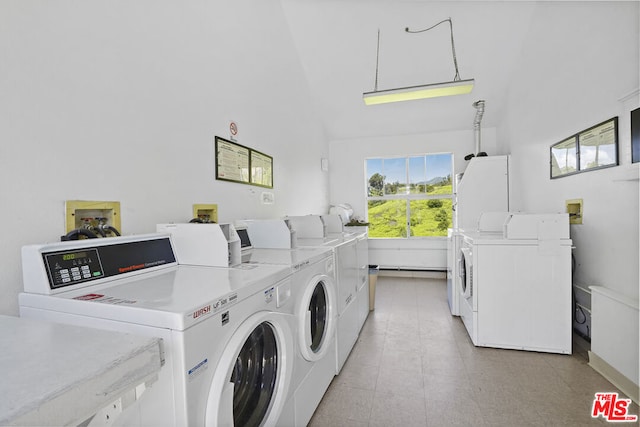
{"x":479,"y":106}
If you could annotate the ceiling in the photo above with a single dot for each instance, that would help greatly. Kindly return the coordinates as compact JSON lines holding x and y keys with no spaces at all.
{"x":336,"y":42}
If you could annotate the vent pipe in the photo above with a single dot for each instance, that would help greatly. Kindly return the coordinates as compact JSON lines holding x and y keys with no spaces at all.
{"x":479,"y":106}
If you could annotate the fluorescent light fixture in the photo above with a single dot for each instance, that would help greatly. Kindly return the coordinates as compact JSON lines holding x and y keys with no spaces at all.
{"x":459,"y":87}
{"x":410,"y":93}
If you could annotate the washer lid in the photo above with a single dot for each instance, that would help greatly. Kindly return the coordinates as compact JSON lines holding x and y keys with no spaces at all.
{"x":331,"y":240}
{"x":294,"y":258}
{"x":173,"y":298}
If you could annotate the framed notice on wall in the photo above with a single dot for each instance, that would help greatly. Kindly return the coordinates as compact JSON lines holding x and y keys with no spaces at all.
{"x":232,"y":161}
{"x":261,"y":169}
{"x":237,"y":163}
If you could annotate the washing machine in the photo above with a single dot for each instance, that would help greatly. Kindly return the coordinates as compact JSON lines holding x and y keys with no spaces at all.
{"x":334,"y":226}
{"x":313,"y":292}
{"x":454,"y":260}
{"x":362,"y":295}
{"x":227,"y":333}
{"x":311,"y":231}
{"x":315,"y":310}
{"x":516,"y":289}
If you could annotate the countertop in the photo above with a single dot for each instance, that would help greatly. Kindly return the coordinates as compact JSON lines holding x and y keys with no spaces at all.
{"x":55,"y":374}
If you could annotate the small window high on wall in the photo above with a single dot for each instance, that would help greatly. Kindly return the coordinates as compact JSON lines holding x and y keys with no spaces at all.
{"x":409,"y":196}
{"x":635,"y":135}
{"x":593,"y":148}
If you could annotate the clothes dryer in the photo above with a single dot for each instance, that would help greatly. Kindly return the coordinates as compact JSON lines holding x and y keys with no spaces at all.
{"x":227,"y":333}
{"x":517,"y":285}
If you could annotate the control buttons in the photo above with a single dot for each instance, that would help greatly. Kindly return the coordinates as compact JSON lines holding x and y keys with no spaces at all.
{"x":64,"y":276}
{"x":86,"y":273}
{"x":67,"y":275}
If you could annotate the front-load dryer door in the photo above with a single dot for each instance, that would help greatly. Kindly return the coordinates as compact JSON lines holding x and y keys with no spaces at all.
{"x":317,"y":317}
{"x":466,"y":272}
{"x":252,"y":379}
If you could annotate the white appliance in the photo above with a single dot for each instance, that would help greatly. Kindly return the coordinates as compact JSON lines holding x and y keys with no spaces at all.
{"x":316,"y":307}
{"x":227,"y":333}
{"x":315,"y":310}
{"x":362,"y":256}
{"x":310,"y":231}
{"x":454,"y":254}
{"x":516,"y":290}
{"x":483,"y":187}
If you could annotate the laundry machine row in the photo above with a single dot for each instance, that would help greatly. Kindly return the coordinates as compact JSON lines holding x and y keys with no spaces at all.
{"x":228,"y":334}
{"x":313,"y":292}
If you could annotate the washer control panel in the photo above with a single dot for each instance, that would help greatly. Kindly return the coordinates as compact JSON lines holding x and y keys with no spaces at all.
{"x":80,"y":264}
{"x":66,"y":268}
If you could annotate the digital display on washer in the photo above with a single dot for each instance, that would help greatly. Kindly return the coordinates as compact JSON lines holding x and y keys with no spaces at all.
{"x":66,"y":268}
{"x":245,"y":242}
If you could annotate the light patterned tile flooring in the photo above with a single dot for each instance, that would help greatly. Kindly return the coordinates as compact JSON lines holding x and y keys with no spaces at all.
{"x":414,"y":365}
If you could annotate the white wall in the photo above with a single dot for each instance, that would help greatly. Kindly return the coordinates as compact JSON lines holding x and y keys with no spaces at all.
{"x":120,"y":100}
{"x":579,"y":67}
{"x":347,"y":184}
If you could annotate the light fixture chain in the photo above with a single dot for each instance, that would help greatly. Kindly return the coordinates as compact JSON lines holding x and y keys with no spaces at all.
{"x":453,"y":51}
{"x":375,"y":86}
{"x":453,"y":47}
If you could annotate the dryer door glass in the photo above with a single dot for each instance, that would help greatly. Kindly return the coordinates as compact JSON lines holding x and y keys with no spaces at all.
{"x":318,"y":308}
{"x":254,"y":377}
{"x":463,"y":273}
{"x":467,"y":271}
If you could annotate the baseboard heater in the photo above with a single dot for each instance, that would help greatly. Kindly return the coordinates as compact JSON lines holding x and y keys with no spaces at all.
{"x":412,"y":269}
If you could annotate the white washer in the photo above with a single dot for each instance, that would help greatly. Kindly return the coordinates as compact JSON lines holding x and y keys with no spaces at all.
{"x":229,"y":346}
{"x":454,"y":261}
{"x":315,"y":310}
{"x":311,"y":231}
{"x":517,"y":285}
{"x":362,"y":298}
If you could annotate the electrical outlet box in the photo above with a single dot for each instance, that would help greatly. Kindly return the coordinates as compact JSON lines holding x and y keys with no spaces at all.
{"x":82,"y":213}
{"x":574,"y":209}
{"x":206,"y":212}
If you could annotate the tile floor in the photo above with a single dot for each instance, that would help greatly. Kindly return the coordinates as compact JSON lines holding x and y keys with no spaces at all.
{"x":414,"y":365}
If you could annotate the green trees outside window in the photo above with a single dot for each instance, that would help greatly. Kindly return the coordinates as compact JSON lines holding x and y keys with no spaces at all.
{"x":409,"y":196}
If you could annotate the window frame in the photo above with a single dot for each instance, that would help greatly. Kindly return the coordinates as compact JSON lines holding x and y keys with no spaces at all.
{"x":407,"y":196}
{"x":579,"y":138}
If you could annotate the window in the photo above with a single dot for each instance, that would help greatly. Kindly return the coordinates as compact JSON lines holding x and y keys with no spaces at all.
{"x":594,"y":148}
{"x":635,"y":136}
{"x":409,"y":196}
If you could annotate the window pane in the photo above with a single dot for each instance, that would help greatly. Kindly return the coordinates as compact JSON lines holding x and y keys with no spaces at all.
{"x":417,"y":177}
{"x":375,"y":177}
{"x":430,"y":217}
{"x":598,"y":146}
{"x":438,"y":174}
{"x":395,"y":176}
{"x":563,"y":157}
{"x":387,"y":218}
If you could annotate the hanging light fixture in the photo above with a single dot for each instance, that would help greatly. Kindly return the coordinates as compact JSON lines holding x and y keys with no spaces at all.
{"x":455,"y":87}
